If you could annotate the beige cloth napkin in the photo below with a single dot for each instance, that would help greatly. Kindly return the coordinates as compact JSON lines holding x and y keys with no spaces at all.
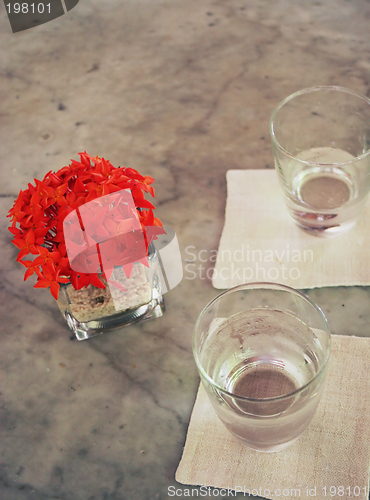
{"x":260,"y":241}
{"x":333,"y":452}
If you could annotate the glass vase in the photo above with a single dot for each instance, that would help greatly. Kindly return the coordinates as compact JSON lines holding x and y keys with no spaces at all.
{"x":92,"y":311}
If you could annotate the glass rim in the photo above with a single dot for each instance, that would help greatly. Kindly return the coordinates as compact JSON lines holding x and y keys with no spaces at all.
{"x":259,"y":286}
{"x":309,"y":90}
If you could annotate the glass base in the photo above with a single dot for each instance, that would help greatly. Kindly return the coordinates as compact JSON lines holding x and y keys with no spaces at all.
{"x":268,"y":448}
{"x":322,"y":230}
{"x":153,"y":309}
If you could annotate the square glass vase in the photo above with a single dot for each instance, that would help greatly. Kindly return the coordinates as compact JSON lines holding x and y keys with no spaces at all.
{"x":92,"y":311}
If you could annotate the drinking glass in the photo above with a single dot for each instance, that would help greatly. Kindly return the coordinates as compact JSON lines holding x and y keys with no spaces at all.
{"x":320,"y":141}
{"x":261,"y":350}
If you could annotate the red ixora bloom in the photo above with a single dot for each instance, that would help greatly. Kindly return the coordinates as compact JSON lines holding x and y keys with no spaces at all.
{"x":38,"y":213}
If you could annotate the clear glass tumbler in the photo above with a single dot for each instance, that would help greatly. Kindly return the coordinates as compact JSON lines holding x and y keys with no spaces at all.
{"x":321,"y":146}
{"x":262,"y":350}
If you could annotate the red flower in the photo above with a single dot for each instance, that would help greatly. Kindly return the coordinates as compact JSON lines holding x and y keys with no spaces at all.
{"x":38,"y":214}
{"x":51,"y":279}
{"x":26,"y":245}
{"x":31,"y":268}
{"x":16,"y":213}
{"x":55,"y":196}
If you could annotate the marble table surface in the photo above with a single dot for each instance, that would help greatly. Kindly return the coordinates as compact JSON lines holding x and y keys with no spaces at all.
{"x":181,"y":91}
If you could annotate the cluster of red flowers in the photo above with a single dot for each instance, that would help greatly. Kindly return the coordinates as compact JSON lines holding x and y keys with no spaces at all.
{"x":38,"y":214}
